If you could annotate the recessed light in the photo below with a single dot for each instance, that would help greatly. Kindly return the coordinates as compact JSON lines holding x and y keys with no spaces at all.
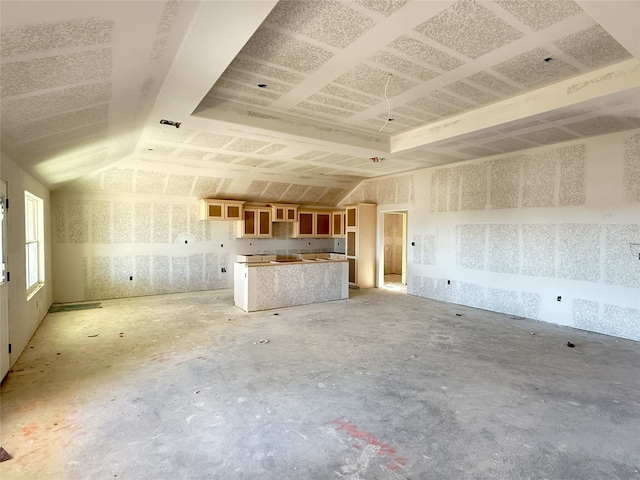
{"x":262,"y":85}
{"x":391,"y":119}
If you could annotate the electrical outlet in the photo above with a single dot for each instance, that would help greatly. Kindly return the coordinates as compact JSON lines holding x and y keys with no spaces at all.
{"x":130,"y":278}
{"x":224,"y":270}
{"x":448,"y":282}
{"x":413,"y":244}
{"x":559,"y":298}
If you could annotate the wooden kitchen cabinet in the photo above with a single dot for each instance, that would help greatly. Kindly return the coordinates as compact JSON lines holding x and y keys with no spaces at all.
{"x":216,"y":209}
{"x":303,"y":228}
{"x":313,"y":224}
{"x":361,"y":244}
{"x":338,"y":224}
{"x":256,"y":223}
{"x":282,"y":212}
{"x":322,"y":224}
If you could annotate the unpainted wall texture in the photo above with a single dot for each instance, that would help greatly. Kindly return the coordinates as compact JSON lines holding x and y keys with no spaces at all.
{"x":134,"y":245}
{"x":547,"y":233}
{"x":24,"y":313}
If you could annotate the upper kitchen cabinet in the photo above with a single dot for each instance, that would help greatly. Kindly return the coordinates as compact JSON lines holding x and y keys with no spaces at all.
{"x":338,"y":224}
{"x":256,"y":223}
{"x":313,"y":224}
{"x":215,"y":209}
{"x":282,"y":212}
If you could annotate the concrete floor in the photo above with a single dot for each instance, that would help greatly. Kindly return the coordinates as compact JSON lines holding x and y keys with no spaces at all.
{"x":394,"y":282}
{"x":381,"y":386}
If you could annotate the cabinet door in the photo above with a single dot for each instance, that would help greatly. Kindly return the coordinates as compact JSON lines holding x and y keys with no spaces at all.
{"x":233,"y":211}
{"x":351,"y":244}
{"x":352,"y":216}
{"x":264,"y":223}
{"x":337,"y":224}
{"x":279,"y":214}
{"x":323,"y":224}
{"x":352,"y":270}
{"x":291,"y":213}
{"x":215,"y":210}
{"x":211,"y":210}
{"x":305,"y":224}
{"x":249,"y":222}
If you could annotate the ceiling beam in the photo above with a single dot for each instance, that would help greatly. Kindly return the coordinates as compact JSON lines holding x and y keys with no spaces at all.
{"x":599,"y":83}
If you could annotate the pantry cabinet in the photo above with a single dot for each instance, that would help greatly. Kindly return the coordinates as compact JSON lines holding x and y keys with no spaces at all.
{"x":361,"y":244}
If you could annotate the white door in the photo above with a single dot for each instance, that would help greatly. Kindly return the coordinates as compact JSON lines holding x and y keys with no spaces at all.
{"x":5,"y":361}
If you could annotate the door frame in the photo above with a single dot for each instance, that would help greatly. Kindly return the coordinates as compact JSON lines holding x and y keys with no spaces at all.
{"x":380,"y":245}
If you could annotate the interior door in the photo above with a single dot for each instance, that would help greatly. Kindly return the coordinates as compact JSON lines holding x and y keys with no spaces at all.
{"x":5,"y":361}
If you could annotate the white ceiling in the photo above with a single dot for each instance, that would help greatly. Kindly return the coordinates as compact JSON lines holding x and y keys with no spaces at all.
{"x":84,"y":85}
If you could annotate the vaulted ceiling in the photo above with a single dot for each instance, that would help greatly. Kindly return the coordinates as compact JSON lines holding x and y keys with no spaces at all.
{"x":289,"y":101}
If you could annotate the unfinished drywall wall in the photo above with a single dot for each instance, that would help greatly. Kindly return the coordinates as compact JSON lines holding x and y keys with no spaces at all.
{"x":112,"y":246}
{"x":24,"y":315}
{"x":543,"y":233}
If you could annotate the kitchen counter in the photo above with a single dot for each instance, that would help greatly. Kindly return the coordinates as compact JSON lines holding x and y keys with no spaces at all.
{"x":288,"y":282}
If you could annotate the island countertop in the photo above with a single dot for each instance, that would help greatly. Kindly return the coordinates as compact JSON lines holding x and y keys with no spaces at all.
{"x":273,"y":263}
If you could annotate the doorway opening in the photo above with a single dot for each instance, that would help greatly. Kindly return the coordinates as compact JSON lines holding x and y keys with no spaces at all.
{"x":394,"y":257}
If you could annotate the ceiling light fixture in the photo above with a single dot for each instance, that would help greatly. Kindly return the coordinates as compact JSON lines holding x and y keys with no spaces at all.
{"x":548,"y":59}
{"x":262,"y":85}
{"x":170,"y":122}
{"x":388,"y":105}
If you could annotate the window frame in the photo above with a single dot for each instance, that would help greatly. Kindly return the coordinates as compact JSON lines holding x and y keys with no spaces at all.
{"x":34,"y":237}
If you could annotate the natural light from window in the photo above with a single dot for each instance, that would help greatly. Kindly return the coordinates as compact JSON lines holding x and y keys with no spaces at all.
{"x":34,"y":248}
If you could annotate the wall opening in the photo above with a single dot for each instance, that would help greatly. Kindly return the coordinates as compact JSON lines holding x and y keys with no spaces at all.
{"x":393,"y":261}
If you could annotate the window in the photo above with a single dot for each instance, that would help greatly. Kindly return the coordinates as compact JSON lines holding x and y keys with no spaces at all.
{"x":34,"y":245}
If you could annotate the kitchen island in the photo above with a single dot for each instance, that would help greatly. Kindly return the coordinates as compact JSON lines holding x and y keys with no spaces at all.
{"x":285,"y":283}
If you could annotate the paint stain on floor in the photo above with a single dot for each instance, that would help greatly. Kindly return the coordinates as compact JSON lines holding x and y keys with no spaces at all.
{"x":370,"y":447}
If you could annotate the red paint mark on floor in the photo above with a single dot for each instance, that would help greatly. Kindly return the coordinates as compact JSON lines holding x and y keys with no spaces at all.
{"x":29,"y":429}
{"x":384,"y":449}
{"x":29,"y":407}
{"x":161,"y":358}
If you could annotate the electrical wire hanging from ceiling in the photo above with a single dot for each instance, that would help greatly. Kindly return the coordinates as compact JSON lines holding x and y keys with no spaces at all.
{"x":388,"y":104}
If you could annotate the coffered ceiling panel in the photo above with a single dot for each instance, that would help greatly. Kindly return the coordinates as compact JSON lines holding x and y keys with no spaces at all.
{"x":540,"y":15}
{"x":55,"y":35}
{"x":469,"y":28}
{"x":330,"y":22}
{"x":286,"y":51}
{"x":289,"y":100}
{"x":593,"y":47}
